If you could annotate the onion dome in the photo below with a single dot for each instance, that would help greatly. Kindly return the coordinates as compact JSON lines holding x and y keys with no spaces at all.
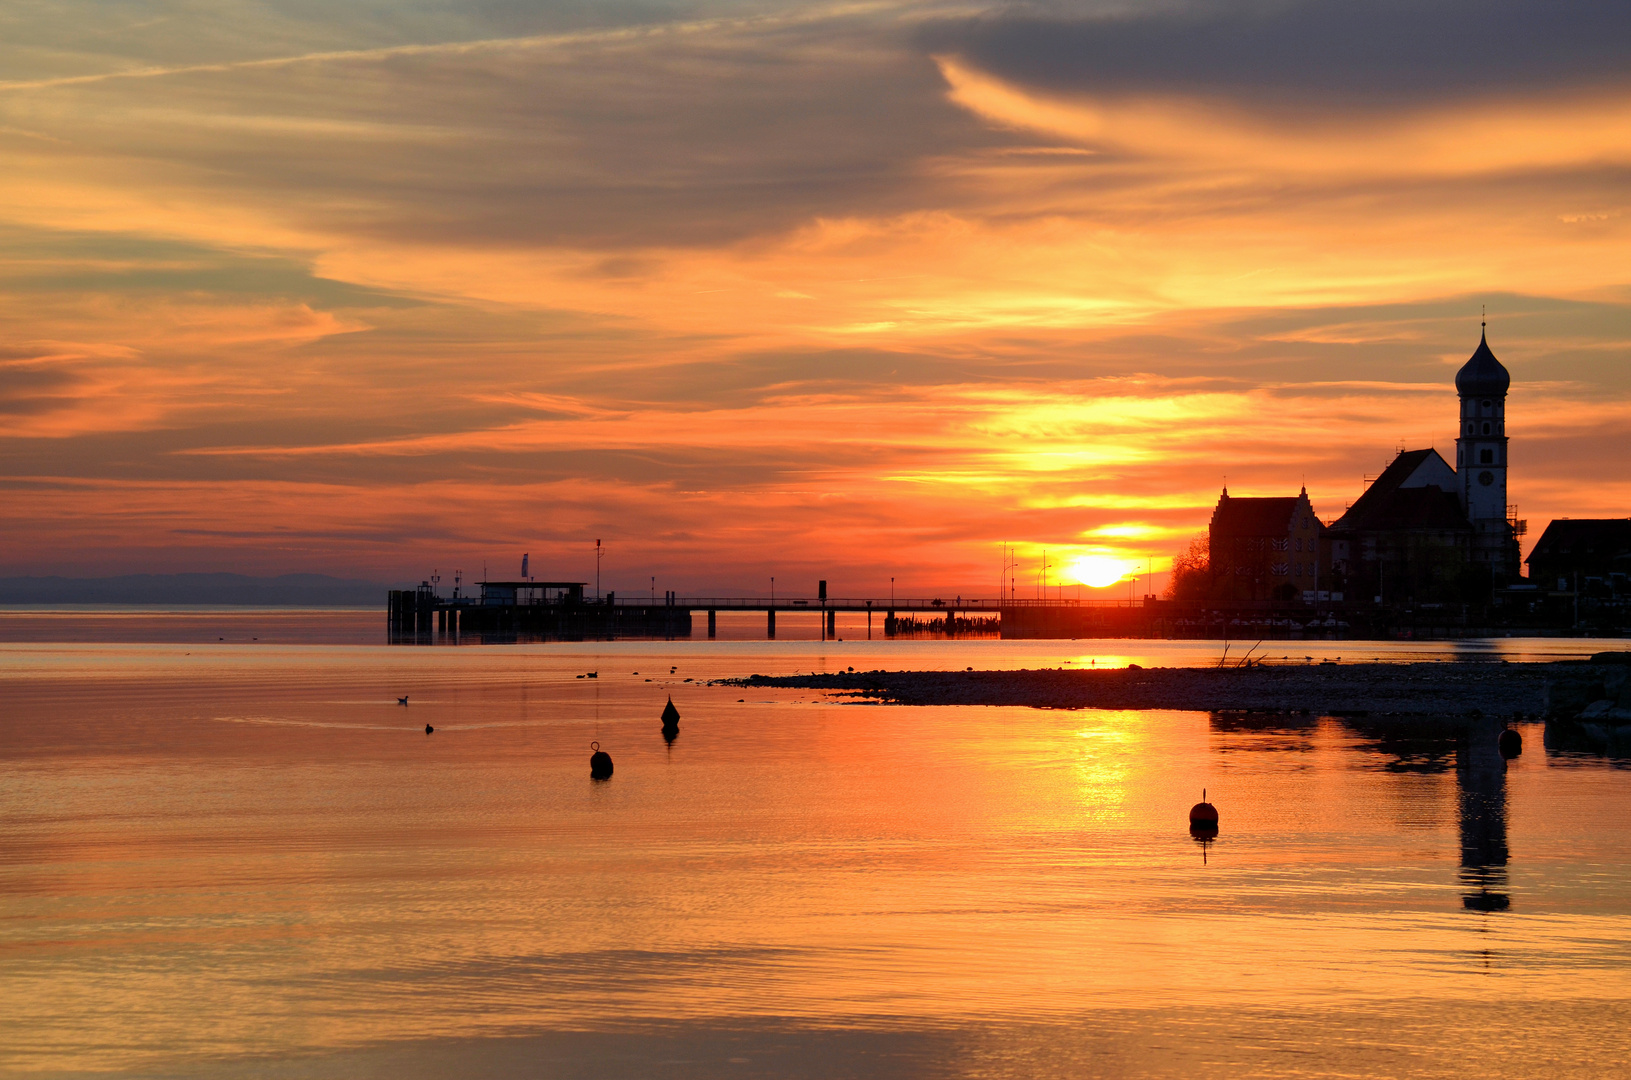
{"x":1482,"y":375}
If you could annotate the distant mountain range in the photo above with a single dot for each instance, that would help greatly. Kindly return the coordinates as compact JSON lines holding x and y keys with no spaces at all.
{"x":288,"y":590}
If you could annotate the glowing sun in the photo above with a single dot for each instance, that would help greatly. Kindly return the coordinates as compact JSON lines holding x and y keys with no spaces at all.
{"x":1097,"y":571}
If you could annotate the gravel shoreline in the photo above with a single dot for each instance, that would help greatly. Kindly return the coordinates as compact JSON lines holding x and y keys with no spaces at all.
{"x":1447,"y":689}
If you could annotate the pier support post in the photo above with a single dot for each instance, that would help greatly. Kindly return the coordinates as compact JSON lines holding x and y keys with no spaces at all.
{"x":832,"y":625}
{"x":770,"y":624}
{"x":889,"y":624}
{"x":711,"y":614}
{"x":453,"y":621}
{"x":441,"y":620}
{"x":951,"y":622}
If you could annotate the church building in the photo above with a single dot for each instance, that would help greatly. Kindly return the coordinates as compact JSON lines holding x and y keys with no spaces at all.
{"x":1480,"y":461}
{"x":1423,"y":531}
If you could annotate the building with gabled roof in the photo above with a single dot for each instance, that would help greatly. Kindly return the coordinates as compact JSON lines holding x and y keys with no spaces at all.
{"x":1424,"y":531}
{"x":1573,"y":552}
{"x":1406,"y":537}
{"x":1264,"y":548}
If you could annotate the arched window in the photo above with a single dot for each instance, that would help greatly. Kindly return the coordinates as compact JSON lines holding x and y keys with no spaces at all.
{"x":1486,"y":427}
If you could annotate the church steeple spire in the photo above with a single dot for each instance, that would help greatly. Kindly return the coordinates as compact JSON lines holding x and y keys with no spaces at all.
{"x":1482,"y":375}
{"x":1480,"y":456}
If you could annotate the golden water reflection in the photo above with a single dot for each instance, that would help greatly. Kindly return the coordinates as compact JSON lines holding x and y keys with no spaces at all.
{"x":237,"y":859}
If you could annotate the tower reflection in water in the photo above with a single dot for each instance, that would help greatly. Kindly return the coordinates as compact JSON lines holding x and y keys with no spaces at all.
{"x":1481,"y":777}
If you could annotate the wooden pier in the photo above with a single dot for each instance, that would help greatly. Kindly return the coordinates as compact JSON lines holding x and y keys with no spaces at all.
{"x":511,"y":610}
{"x":516,"y":610}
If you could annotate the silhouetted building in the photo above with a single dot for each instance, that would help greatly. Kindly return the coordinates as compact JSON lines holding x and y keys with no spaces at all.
{"x":1424,"y":532}
{"x":1264,"y":548}
{"x":1406,"y":538}
{"x":1581,"y":552}
{"x":1481,"y":460}
{"x":528,"y":592}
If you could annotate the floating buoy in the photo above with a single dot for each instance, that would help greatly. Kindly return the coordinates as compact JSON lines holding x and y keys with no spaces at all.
{"x":671,"y":722}
{"x":1510,"y":743}
{"x":600,"y":763}
{"x":1203,"y":816}
{"x":429,"y":729}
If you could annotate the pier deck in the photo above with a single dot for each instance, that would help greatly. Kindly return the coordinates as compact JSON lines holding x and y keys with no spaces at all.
{"x":561,"y":609}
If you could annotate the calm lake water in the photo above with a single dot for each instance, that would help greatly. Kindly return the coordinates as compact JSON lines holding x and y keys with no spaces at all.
{"x":244,"y":858}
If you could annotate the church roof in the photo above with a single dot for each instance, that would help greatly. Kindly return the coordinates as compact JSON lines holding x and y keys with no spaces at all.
{"x":1389,"y":504}
{"x":1254,"y":517}
{"x":1482,"y":375}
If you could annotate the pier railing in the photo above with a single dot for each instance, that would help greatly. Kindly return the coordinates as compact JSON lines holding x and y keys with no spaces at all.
{"x":804,"y":603}
{"x":840,"y":603}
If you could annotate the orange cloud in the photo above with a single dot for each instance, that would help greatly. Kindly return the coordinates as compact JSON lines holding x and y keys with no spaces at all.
{"x":742,"y":293}
{"x":1489,"y":137}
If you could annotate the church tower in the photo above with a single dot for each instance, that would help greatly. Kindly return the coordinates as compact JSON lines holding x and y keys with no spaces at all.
{"x":1480,"y":459}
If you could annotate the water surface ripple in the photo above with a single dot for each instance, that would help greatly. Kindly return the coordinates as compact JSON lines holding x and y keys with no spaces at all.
{"x":248,"y":860}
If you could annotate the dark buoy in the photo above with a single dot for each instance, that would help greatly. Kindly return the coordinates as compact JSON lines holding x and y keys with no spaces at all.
{"x":600,"y":763}
{"x":1203,"y":816}
{"x":1510,"y":743}
{"x":671,"y":717}
{"x":429,"y":729}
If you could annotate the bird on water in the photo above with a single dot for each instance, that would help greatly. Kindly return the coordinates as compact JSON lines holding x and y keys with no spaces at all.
{"x":403,"y":700}
{"x":429,"y":729}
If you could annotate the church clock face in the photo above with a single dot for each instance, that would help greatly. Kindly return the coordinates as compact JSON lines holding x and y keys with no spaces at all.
{"x":1486,"y":478}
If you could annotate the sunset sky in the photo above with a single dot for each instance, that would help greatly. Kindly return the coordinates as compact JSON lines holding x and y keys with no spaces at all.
{"x":848,"y":291}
